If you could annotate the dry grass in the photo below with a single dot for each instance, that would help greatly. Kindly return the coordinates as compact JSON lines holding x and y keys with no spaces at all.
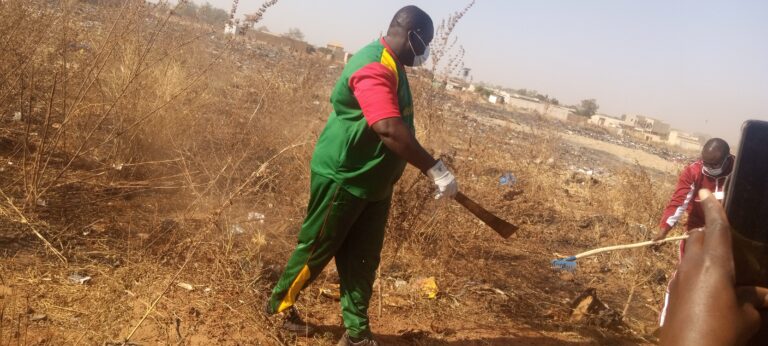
{"x":149,"y":146}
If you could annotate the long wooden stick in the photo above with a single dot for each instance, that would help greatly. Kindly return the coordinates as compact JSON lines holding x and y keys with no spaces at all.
{"x":23,"y":219}
{"x":628,"y":246}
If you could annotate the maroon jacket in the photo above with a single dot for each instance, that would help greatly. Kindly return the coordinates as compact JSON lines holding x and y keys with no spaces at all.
{"x":686,"y":195}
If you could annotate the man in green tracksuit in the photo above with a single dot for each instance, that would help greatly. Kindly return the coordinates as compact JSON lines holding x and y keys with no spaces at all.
{"x":360,"y":155}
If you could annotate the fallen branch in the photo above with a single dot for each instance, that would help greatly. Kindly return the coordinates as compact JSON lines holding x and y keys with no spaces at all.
{"x":23,"y":219}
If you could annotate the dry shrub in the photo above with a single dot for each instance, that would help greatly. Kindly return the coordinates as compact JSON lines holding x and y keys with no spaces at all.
{"x":158,"y":136}
{"x":135,"y":102}
{"x":634,"y":197}
{"x":137,"y":96}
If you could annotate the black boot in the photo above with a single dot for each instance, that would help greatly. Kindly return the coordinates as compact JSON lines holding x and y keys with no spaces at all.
{"x":294,"y":323}
{"x":346,"y":340}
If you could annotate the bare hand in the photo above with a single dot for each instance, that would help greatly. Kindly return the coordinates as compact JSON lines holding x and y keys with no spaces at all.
{"x":660,"y":235}
{"x":706,"y":308}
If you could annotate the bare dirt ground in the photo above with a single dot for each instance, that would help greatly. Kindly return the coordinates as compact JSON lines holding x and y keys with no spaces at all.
{"x":176,"y":232}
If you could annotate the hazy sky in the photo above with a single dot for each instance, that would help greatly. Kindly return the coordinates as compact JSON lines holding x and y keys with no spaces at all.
{"x":699,"y":65}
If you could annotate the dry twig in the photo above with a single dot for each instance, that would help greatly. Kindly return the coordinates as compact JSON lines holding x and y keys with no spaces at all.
{"x":23,"y":219}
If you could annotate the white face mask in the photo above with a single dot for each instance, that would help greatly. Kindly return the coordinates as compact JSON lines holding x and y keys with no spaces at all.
{"x":714,"y":171}
{"x":419,"y":60}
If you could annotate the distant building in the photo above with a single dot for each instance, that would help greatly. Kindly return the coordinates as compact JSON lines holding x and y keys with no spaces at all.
{"x":337,"y":52}
{"x":335,"y":47}
{"x":648,"y":125}
{"x":562,"y":113}
{"x":684,"y":140}
{"x":649,"y":130}
{"x":606,"y":121}
{"x":230,"y":29}
{"x":455,"y":84}
{"x":533,"y":105}
{"x":526,"y":103}
{"x":652,"y":137}
{"x":465,"y":72}
{"x":523,"y":97}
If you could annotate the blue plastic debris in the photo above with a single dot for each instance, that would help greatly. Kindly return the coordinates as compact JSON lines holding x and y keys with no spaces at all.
{"x":508,"y":179}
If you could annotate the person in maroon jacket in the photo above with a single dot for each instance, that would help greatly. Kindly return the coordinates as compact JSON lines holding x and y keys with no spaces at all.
{"x":710,"y":172}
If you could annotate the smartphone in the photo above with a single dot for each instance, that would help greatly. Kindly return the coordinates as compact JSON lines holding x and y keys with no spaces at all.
{"x":746,"y":204}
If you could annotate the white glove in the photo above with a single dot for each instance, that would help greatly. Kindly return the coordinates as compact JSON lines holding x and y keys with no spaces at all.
{"x":444,"y":179}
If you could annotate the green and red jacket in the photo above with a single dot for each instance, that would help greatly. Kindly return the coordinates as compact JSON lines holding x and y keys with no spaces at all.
{"x":372,"y":87}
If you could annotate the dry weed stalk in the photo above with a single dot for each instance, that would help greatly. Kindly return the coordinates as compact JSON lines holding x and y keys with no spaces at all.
{"x":23,"y":220}
{"x":253,"y":18}
{"x":429,"y":103}
{"x":441,"y":44}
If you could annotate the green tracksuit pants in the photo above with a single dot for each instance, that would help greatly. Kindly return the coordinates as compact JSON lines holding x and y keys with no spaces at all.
{"x":341,"y":226}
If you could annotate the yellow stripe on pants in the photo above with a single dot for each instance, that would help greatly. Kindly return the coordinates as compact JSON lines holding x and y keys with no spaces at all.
{"x":293,"y":291}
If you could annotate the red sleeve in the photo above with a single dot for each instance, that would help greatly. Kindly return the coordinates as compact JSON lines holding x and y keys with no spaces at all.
{"x":681,"y":199}
{"x":375,"y":87}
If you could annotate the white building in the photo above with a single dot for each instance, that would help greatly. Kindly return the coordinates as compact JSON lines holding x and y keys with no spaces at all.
{"x":533,"y":105}
{"x":526,"y":103}
{"x":648,"y":125}
{"x":684,"y":140}
{"x":606,"y":121}
{"x":562,"y":113}
{"x":496,"y":99}
{"x":455,"y":84}
{"x":230,"y":29}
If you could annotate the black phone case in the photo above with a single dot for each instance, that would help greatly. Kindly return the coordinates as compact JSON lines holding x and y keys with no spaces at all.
{"x":750,"y":256}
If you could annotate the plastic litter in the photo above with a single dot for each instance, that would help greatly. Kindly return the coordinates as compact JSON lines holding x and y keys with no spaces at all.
{"x":254,"y":216}
{"x":428,"y":287}
{"x":236,"y":229}
{"x":79,"y":279}
{"x":400,"y":284}
{"x":185,"y":286}
{"x":37,"y":317}
{"x":508,"y":179}
{"x":331,"y":292}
